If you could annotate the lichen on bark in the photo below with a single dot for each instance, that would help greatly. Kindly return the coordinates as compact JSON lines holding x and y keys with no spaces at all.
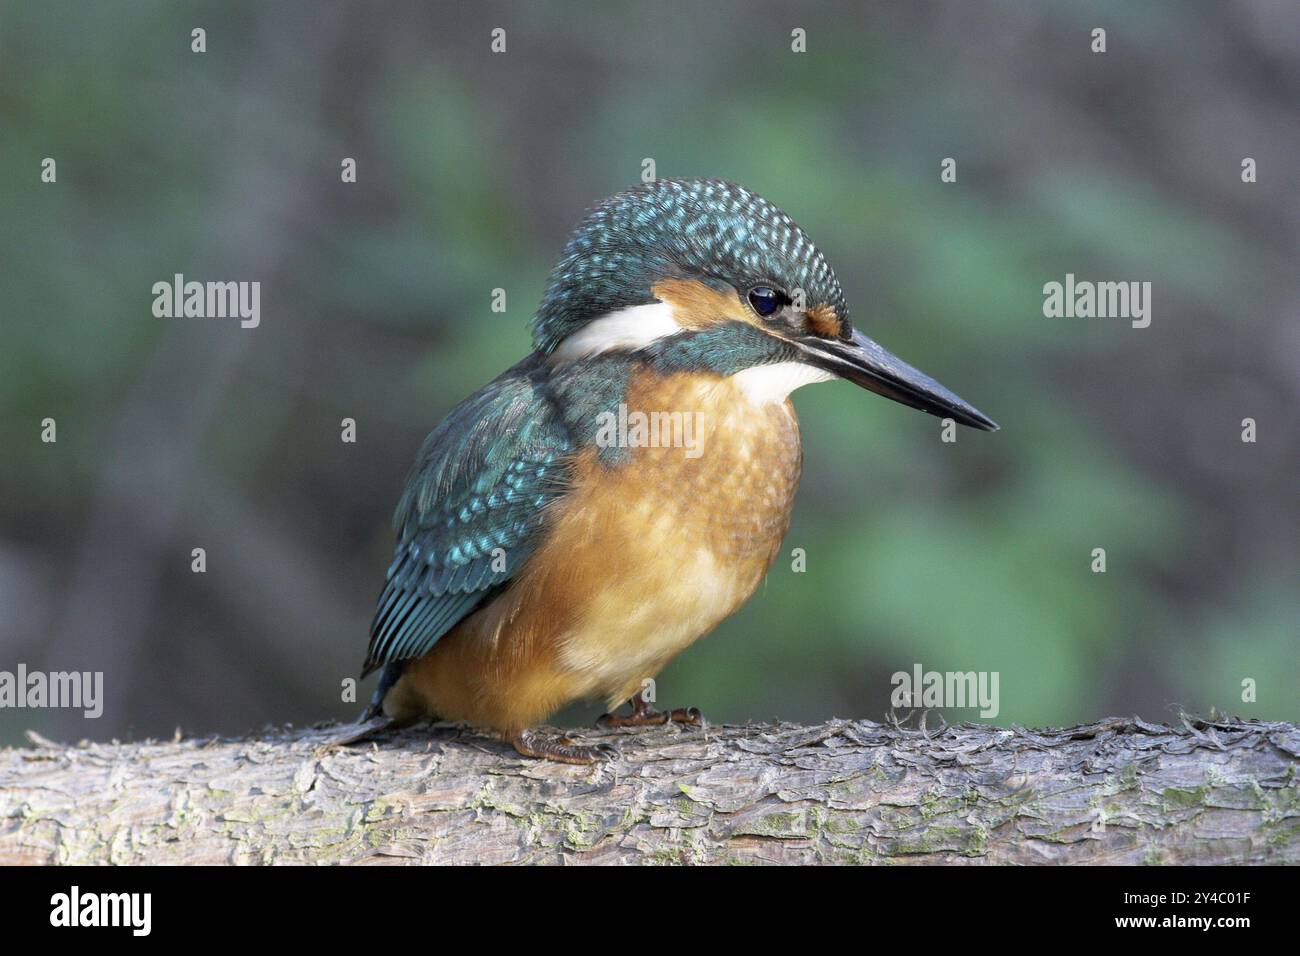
{"x":1115,"y":791}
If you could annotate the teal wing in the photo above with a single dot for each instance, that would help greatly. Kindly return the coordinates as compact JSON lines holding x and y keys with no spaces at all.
{"x":472,"y":511}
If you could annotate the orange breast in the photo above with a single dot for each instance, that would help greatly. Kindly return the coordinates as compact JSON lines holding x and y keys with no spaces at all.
{"x":641,"y":559}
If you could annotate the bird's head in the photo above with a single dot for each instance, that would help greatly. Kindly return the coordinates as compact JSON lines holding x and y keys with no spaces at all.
{"x":726,"y":281}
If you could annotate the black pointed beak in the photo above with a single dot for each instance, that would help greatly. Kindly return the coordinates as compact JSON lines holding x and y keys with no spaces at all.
{"x":865,"y":363}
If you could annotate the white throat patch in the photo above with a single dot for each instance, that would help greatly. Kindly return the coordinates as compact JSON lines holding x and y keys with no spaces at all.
{"x":768,"y":384}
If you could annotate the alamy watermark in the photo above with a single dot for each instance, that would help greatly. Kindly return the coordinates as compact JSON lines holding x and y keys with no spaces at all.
{"x":951,"y":689}
{"x":624,"y":429}
{"x":82,"y":690}
{"x":133,"y":911}
{"x":208,"y":300}
{"x":1102,"y":300}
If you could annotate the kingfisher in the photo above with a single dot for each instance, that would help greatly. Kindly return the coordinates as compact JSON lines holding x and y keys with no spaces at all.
{"x":582,"y":519}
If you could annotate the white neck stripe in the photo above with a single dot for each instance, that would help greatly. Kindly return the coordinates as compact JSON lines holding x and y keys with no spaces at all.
{"x":628,"y":329}
{"x":641,"y":325}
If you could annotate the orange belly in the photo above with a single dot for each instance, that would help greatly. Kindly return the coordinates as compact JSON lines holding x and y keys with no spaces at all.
{"x":640,"y":559}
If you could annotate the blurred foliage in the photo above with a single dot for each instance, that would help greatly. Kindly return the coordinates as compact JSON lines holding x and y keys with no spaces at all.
{"x":175,"y":434}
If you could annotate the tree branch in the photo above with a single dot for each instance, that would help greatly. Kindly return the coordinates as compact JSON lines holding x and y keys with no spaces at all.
{"x":1117,"y":791}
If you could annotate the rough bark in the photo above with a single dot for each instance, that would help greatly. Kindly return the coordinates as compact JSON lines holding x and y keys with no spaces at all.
{"x":1117,"y":791}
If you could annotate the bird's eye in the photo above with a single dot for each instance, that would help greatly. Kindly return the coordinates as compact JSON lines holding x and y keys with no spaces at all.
{"x":764,"y":300}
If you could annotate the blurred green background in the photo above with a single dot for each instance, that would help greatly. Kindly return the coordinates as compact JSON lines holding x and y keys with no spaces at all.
{"x":472,"y":167}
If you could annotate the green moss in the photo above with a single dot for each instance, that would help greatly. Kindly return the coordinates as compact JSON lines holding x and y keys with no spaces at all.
{"x":583,"y":831}
{"x":1154,"y":856}
{"x":934,"y":804}
{"x":487,"y":799}
{"x":629,"y":819}
{"x":1281,"y":833}
{"x":676,"y":854}
{"x":967,"y":841}
{"x":840,"y":823}
{"x":1178,"y":798}
{"x":780,"y":824}
{"x":377,"y":809}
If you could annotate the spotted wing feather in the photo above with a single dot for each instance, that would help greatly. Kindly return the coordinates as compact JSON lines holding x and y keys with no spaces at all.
{"x":472,"y":513}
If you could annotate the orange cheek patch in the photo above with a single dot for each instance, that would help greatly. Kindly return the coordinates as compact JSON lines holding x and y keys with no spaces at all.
{"x":823,"y":321}
{"x":698,"y":306}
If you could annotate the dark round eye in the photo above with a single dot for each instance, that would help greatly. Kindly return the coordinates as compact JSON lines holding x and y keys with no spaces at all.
{"x":764,"y":300}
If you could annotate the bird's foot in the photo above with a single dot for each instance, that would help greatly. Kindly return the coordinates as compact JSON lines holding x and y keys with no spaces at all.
{"x":561,"y":749}
{"x":643,"y":715}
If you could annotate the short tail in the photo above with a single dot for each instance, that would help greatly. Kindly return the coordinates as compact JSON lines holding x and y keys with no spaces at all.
{"x":387,"y":678}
